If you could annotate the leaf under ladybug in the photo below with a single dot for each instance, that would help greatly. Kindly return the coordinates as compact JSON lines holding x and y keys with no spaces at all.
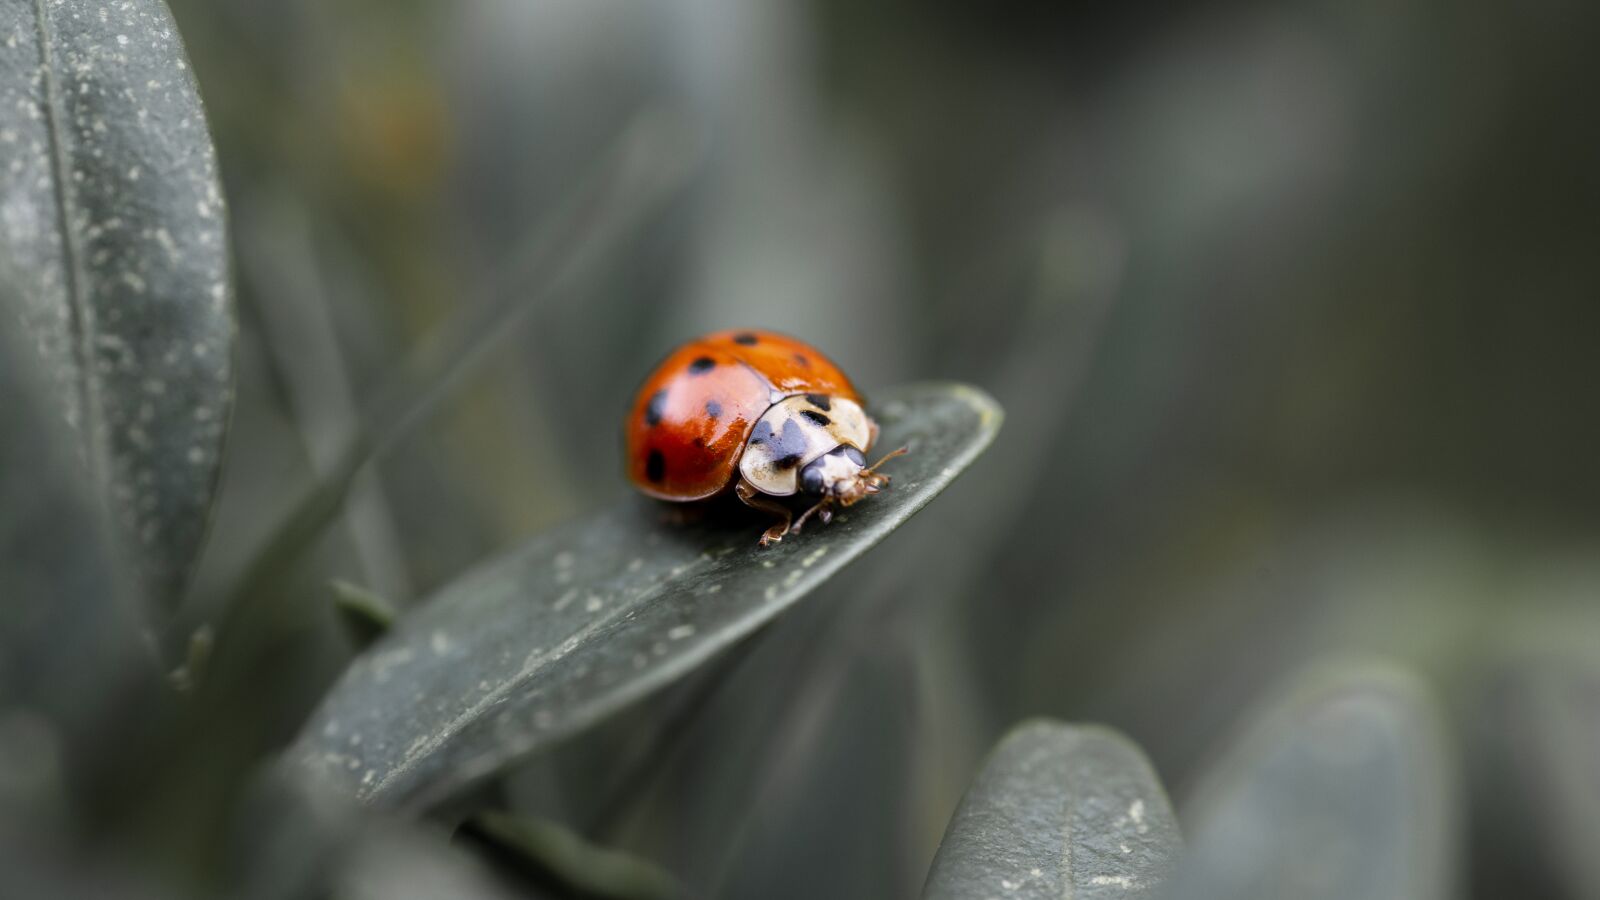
{"x":578,"y":623}
{"x":113,"y":235}
{"x":1058,"y":811}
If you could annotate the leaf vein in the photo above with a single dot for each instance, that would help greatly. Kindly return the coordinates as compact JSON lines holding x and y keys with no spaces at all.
{"x":82,"y":317}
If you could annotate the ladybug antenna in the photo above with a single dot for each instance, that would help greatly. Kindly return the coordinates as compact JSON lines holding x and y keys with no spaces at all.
{"x":874,"y":467}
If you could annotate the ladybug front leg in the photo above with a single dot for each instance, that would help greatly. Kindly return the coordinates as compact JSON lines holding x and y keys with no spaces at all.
{"x":754,"y":499}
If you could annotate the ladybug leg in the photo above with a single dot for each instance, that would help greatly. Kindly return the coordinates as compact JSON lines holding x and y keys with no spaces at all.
{"x":757,"y":500}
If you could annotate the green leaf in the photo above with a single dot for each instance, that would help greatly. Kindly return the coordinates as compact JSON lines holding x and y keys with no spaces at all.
{"x":1341,"y":789}
{"x":1058,"y":811}
{"x":577,"y":623}
{"x":66,"y":628}
{"x":202,"y":642}
{"x":1553,"y":725}
{"x":549,"y":854}
{"x":364,"y":615}
{"x":113,"y":231}
{"x":286,"y":840}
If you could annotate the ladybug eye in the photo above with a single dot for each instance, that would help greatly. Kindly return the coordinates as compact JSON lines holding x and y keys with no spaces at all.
{"x":811,"y":479}
{"x":855,"y":456}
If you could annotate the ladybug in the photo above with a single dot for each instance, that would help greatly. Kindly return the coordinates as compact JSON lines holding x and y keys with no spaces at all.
{"x":759,"y":413}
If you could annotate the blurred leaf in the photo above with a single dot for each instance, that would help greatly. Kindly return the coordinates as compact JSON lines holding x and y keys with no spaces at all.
{"x":1555,"y":723}
{"x":292,"y":842}
{"x":1058,"y":811}
{"x":536,"y":645}
{"x":403,"y":864}
{"x":547,"y":853}
{"x":114,"y":226}
{"x":1342,"y":789}
{"x":364,"y":615}
{"x":30,"y":870}
{"x":67,"y":636}
{"x":195,"y":659}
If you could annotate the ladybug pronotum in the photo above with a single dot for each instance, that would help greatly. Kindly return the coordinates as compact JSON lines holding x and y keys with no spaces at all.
{"x":760,"y":413}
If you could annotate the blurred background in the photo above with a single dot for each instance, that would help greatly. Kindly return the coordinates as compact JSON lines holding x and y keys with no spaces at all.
{"x":1291,"y":307}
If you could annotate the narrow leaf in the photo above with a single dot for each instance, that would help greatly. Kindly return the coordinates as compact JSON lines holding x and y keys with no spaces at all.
{"x":1058,"y":811}
{"x":1340,"y":790}
{"x":549,"y":855}
{"x":364,"y":615}
{"x":287,"y":841}
{"x":66,"y":631}
{"x":556,"y":635}
{"x":1554,"y":727}
{"x":113,"y":228}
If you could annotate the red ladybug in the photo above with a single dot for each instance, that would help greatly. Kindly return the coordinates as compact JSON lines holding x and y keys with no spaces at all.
{"x":759,"y":412}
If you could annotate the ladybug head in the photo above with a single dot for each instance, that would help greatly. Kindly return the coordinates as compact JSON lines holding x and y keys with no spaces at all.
{"x":840,"y":477}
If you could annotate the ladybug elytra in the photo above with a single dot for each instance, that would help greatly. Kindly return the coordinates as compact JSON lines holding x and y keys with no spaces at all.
{"x":762,"y":413}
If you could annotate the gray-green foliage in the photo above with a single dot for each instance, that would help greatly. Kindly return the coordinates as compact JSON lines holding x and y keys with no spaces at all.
{"x":113,"y":232}
{"x":1058,"y":811}
{"x":1343,"y":788}
{"x":1079,"y":578}
{"x":565,"y":630}
{"x":66,"y":626}
{"x":555,"y":853}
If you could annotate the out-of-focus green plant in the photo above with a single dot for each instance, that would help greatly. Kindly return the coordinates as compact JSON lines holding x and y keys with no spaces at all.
{"x":616,"y":708}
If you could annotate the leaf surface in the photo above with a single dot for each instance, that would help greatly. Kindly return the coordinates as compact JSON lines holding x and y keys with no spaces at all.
{"x":1340,"y":789}
{"x":67,"y":634}
{"x":1058,"y":811}
{"x":112,"y":231}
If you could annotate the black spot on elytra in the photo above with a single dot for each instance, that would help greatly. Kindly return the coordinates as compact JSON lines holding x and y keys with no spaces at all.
{"x":820,"y":401}
{"x":654,"y":409}
{"x":816,"y":417}
{"x":655,"y":466}
{"x":745,"y":338}
{"x":803,"y":360}
{"x":714,"y":410}
{"x":702,"y":365}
